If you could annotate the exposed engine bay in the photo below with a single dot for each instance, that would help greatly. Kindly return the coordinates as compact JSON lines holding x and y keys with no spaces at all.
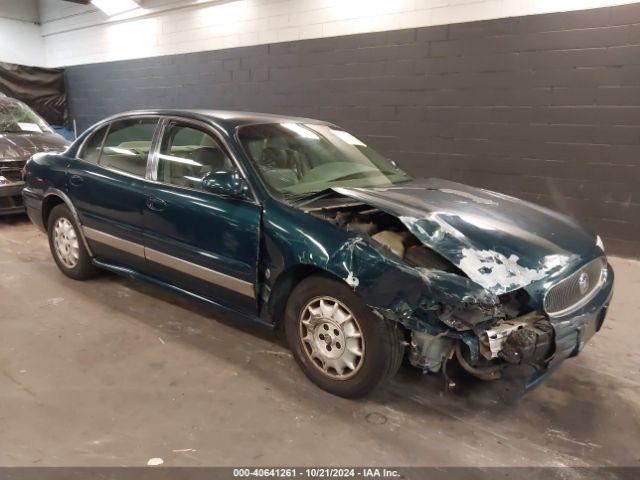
{"x":387,"y":231}
{"x":483,"y":340}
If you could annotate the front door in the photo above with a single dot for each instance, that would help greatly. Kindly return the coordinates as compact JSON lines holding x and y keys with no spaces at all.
{"x":106,"y":186}
{"x":205,"y":243}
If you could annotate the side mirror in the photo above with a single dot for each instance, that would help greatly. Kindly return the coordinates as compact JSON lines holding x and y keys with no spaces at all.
{"x":229,"y":184}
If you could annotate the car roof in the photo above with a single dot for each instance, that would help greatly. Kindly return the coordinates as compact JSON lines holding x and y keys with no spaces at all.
{"x":224,"y":118}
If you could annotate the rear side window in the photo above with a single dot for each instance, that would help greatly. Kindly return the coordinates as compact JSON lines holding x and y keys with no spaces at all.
{"x":127,"y":145}
{"x":93,"y":147}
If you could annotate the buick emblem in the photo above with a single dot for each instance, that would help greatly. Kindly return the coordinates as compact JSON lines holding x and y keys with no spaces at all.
{"x":583,"y":283}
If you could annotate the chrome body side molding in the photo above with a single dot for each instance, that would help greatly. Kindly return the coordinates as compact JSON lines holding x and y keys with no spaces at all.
{"x":203,"y":273}
{"x":208,"y":275}
{"x":127,"y":272}
{"x":113,"y":241}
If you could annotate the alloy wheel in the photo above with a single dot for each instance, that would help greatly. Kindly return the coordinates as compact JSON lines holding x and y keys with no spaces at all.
{"x":332,"y":337}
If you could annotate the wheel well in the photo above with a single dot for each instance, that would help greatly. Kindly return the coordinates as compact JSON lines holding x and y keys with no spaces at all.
{"x":47,"y":205}
{"x":286,"y":282}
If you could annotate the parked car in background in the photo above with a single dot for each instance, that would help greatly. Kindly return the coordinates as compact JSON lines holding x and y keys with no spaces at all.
{"x":296,"y":222}
{"x":22,"y":133}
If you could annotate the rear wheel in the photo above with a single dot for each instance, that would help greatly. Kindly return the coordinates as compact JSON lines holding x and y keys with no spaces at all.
{"x":66,"y":245}
{"x":336,"y":339}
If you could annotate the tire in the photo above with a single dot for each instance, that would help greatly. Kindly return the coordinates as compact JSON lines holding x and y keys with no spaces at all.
{"x":69,"y":253}
{"x":311,"y":308}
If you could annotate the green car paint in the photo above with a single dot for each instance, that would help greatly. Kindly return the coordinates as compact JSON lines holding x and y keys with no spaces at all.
{"x":461,"y":269}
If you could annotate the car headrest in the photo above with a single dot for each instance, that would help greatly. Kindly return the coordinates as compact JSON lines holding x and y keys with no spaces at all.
{"x":207,"y":141}
{"x":211,"y":158}
{"x":275,"y":157}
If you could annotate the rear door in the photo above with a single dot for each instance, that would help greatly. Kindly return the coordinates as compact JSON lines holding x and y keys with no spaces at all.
{"x":202,"y":242}
{"x":107,"y":188}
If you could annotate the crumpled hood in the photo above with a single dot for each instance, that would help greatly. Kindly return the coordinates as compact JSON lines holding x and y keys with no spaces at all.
{"x":500,"y":242}
{"x":20,"y":146}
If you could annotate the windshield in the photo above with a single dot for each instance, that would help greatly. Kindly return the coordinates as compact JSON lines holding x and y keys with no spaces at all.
{"x":295,"y":159}
{"x":16,"y":117}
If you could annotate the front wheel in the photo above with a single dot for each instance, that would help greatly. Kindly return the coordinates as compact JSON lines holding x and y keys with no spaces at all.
{"x":336,"y":339}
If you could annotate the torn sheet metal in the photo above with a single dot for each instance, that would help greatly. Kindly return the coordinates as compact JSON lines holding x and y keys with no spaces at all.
{"x":487,"y":245}
{"x":398,"y":291}
{"x":500,"y":242}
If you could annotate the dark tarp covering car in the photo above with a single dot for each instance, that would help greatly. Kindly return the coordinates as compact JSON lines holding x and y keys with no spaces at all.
{"x":43,"y":89}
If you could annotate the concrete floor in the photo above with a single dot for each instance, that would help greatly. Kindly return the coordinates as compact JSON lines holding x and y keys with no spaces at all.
{"x":113,"y":372}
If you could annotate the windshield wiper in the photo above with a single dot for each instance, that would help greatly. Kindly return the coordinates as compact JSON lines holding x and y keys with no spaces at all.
{"x":307,"y":197}
{"x":353,"y":176}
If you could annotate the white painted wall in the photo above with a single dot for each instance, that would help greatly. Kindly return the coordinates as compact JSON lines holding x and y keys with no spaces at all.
{"x":26,"y":10}
{"x":20,"y":36}
{"x":75,"y":34}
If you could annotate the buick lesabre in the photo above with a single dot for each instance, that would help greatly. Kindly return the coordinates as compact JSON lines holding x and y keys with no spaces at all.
{"x":297,"y":223}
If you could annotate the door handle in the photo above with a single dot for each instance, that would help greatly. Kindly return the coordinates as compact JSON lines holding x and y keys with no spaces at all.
{"x":156,"y":204}
{"x":76,"y":180}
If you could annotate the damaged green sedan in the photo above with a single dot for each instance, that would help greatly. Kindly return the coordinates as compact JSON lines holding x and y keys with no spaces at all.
{"x":297,"y":223}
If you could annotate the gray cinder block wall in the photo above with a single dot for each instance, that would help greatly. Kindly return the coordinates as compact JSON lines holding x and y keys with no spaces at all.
{"x":545,"y":107}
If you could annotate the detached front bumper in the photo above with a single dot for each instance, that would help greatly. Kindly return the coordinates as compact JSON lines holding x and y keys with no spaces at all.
{"x":11,"y":198}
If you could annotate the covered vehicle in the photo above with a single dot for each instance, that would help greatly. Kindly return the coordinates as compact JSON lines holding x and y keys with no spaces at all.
{"x":296,"y":222}
{"x":22,"y":133}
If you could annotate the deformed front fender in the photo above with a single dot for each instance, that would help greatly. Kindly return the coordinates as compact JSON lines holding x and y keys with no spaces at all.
{"x":416,"y":297}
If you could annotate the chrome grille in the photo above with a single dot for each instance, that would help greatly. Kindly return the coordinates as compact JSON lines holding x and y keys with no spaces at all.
{"x":574,"y":291}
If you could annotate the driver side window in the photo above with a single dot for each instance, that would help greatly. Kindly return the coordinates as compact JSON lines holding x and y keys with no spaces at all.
{"x":188,"y":154}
